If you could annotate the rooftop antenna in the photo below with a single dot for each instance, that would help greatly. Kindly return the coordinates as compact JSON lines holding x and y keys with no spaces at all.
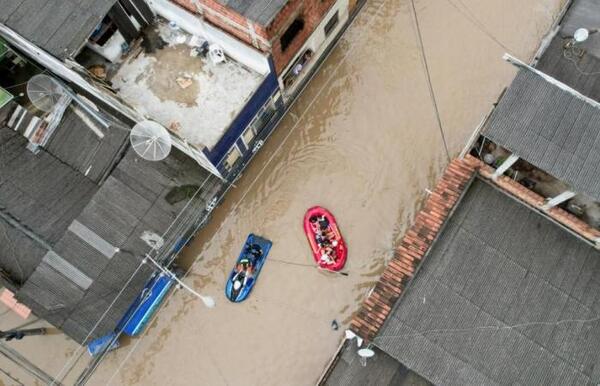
{"x":150,"y":140}
{"x":364,"y":354}
{"x":48,"y":95}
{"x":581,"y":35}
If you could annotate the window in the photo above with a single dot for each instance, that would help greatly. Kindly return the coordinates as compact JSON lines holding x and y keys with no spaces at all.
{"x":331,"y":23}
{"x":232,"y":157}
{"x":248,"y":135}
{"x":293,"y":30}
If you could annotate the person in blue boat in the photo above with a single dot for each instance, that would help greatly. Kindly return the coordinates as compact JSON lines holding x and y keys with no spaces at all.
{"x":245,"y":267}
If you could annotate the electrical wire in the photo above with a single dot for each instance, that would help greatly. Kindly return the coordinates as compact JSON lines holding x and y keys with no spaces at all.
{"x":427,"y":74}
{"x":79,"y":351}
{"x":490,"y":328}
{"x":267,"y":163}
{"x":473,"y":19}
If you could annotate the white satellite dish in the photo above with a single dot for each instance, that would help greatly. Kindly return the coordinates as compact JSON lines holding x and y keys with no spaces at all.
{"x":51,"y":96}
{"x":581,"y":35}
{"x":45,"y":92}
{"x":365,"y":353}
{"x":150,"y":140}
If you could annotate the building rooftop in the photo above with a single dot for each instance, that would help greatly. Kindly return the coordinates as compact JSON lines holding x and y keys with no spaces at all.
{"x":551,"y":128}
{"x":78,"y":279}
{"x":203,"y":110}
{"x":61,"y":27}
{"x":260,"y":11}
{"x":580,"y":67}
{"x":42,"y":194}
{"x":70,"y":242}
{"x":505,"y":296}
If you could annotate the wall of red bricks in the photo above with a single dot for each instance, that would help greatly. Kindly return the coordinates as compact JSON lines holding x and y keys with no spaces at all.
{"x":237,"y":26}
{"x":312,"y":12}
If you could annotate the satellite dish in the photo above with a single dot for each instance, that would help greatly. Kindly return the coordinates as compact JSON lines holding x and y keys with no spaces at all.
{"x":365,"y":353}
{"x":581,"y":35}
{"x":150,"y":140}
{"x":45,"y":92}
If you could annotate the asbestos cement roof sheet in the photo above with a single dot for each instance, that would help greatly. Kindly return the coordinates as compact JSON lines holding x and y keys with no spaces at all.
{"x":61,"y":27}
{"x":86,"y":269}
{"x":551,"y":128}
{"x":505,"y":296}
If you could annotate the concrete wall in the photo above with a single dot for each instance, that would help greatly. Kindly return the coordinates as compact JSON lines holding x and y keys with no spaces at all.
{"x":191,"y":23}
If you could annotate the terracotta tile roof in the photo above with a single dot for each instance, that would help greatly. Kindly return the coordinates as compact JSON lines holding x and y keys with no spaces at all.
{"x":415,"y":244}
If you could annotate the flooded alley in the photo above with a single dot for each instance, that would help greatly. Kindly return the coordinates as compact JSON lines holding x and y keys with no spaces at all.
{"x":363,"y":141}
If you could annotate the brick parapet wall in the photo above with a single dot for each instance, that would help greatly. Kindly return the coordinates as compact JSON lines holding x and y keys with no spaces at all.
{"x":229,"y":21}
{"x":311,"y":11}
{"x":535,"y":200}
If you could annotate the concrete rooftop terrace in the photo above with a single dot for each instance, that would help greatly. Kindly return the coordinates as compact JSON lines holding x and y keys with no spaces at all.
{"x":202,"y":111}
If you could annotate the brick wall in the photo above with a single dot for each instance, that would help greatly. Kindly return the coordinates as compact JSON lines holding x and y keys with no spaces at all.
{"x":535,"y":200}
{"x":311,"y":11}
{"x":230,"y":21}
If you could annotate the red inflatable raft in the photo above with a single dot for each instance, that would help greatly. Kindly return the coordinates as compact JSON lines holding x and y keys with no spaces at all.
{"x":331,"y":254}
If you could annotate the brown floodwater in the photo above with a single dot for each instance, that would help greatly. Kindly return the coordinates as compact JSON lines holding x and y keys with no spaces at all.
{"x":363,"y":141}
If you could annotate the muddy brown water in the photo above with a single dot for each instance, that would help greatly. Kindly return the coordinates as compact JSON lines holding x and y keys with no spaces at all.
{"x":362,"y":141}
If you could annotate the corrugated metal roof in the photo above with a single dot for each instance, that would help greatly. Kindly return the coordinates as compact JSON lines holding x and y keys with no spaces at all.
{"x":550,"y":128}
{"x":500,"y":299}
{"x":130,"y":202}
{"x":74,"y":143}
{"x":61,"y":27}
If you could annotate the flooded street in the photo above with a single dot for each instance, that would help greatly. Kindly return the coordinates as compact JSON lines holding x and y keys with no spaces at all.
{"x":362,"y":141}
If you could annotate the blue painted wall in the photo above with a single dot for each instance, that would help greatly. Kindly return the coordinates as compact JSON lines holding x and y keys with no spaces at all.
{"x":268,"y":87}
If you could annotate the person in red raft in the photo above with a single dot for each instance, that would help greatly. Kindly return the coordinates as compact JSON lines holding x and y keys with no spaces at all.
{"x":325,"y":238}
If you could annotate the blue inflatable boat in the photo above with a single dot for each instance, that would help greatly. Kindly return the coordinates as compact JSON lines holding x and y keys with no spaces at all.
{"x":247,"y":267}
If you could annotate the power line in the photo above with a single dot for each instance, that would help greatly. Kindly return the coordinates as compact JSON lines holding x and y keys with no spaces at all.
{"x":490,"y":328}
{"x":268,"y":162}
{"x":427,"y":74}
{"x":467,"y":14}
{"x":79,"y":351}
